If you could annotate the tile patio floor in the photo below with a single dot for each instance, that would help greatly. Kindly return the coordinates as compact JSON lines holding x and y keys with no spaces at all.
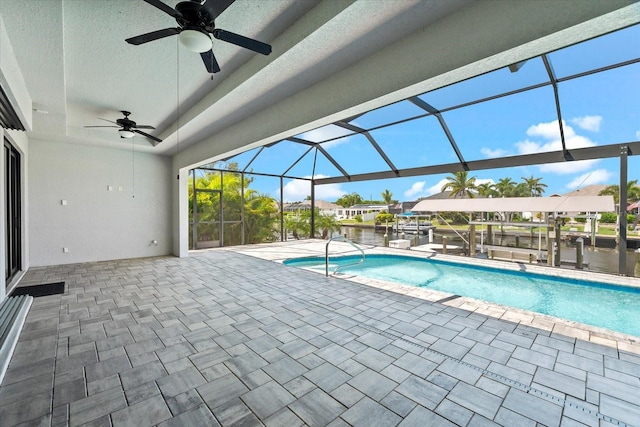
{"x":224,"y":338}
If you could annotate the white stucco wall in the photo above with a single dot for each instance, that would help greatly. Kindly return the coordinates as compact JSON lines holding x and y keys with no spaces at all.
{"x":97,"y":224}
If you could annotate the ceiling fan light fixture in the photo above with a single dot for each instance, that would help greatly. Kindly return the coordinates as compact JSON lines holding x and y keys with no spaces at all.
{"x":126,"y":133}
{"x":195,"y":39}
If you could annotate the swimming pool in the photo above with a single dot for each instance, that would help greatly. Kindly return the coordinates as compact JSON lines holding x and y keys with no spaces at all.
{"x":598,"y":304}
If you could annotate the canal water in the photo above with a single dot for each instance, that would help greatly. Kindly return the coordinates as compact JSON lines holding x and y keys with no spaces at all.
{"x":603,"y":260}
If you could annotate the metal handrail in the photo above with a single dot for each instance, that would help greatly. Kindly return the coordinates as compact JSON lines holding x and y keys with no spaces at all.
{"x":326,"y":254}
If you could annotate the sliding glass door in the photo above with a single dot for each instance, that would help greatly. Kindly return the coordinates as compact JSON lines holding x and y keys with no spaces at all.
{"x":12,"y":211}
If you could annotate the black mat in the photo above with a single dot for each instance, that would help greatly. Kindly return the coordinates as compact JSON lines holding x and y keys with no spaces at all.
{"x":40,"y":290}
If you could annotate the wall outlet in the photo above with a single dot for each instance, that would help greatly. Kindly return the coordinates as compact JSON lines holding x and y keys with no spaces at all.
{"x":120,"y":188}
{"x":109,"y":187}
{"x":63,"y":202}
{"x":65,"y":250}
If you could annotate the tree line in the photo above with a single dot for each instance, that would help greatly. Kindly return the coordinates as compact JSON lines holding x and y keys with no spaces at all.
{"x":461,"y":186}
{"x":262,"y":216}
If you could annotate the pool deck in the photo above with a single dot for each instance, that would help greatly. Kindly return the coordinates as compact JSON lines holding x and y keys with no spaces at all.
{"x":229,"y":337}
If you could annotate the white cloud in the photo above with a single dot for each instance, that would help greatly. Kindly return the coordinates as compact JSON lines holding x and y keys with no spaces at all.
{"x":528,"y":147}
{"x":551,"y":133}
{"x":335,"y":142}
{"x":549,"y":130}
{"x":418,"y":189}
{"x":298,"y":189}
{"x":591,"y":123}
{"x":492,"y":154}
{"x":598,"y":176}
{"x":567,"y":168}
{"x":329,"y":192}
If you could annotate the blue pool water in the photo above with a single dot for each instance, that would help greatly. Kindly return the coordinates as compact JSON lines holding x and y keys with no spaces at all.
{"x":599,"y":304}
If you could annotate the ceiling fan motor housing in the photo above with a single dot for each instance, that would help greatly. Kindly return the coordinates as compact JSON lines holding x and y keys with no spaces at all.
{"x":191,"y":13}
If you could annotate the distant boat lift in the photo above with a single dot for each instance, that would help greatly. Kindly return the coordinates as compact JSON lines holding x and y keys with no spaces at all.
{"x":413,"y":225}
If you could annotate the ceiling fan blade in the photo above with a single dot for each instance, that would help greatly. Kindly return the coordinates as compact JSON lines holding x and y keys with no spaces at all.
{"x":147,"y":135}
{"x":165,"y":8}
{"x":213,"y":8}
{"x":154,"y":35}
{"x":144,"y":127}
{"x":101,"y":126}
{"x":107,"y":120}
{"x":242,"y":41}
{"x":210,"y":62}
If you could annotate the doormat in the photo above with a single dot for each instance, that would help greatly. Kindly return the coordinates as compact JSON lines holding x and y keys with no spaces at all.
{"x":40,"y":290}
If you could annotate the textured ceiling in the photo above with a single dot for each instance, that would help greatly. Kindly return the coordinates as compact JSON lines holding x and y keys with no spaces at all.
{"x":78,"y":68}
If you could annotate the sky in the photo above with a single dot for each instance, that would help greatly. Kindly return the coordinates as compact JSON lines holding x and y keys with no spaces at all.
{"x":599,"y":109}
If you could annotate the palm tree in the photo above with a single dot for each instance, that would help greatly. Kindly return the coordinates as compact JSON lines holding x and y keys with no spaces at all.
{"x":520,"y":190}
{"x":486,"y":189}
{"x":460,"y":185}
{"x":387,"y":196}
{"x":327,"y":223}
{"x":293,"y":225}
{"x":633,"y":191}
{"x":533,"y":186}
{"x":505,"y":187}
{"x":633,"y":194}
{"x":347,"y":200}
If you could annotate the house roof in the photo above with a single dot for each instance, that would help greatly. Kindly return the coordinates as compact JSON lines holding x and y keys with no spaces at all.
{"x":519,"y":204}
{"x":320,"y":204}
{"x":589,"y":190}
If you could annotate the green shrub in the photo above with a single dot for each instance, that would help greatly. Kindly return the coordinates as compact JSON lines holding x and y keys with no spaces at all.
{"x":608,"y":217}
{"x":455,"y":218}
{"x":358,"y":218}
{"x":611,"y":217}
{"x":383,"y":217}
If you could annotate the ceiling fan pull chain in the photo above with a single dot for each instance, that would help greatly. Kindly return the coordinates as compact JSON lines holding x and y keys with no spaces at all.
{"x":133,"y":169}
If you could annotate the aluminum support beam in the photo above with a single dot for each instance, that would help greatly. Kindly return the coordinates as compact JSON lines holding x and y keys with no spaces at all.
{"x":281,"y":209}
{"x":434,"y":111}
{"x":242,"y":206}
{"x":194,"y":229}
{"x":323,"y":151}
{"x":256,"y":173}
{"x":372,"y":141}
{"x":252,"y":159}
{"x":622,"y":243}
{"x":588,"y":153}
{"x":313,"y":209}
{"x":296,"y":162}
{"x":556,"y":95}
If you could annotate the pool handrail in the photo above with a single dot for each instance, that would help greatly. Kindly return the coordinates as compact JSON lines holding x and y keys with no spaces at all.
{"x":326,"y":254}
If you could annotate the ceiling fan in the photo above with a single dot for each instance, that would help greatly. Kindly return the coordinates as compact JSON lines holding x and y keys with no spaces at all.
{"x":196,"y":26}
{"x":128,"y":128}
